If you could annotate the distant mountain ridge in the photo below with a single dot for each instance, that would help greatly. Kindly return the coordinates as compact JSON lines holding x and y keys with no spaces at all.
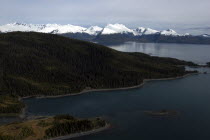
{"x":111,"y":33}
{"x":93,"y":30}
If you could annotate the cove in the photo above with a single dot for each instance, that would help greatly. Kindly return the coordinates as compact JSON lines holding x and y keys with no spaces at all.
{"x":124,"y":109}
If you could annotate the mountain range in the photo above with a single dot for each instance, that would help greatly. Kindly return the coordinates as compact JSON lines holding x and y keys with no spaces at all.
{"x":111,"y":33}
{"x":93,"y":30}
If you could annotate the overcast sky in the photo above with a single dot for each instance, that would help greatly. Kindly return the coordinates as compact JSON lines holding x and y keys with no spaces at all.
{"x":158,"y":14}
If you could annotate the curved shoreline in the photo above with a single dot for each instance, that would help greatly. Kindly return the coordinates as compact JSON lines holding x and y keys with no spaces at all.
{"x":97,"y":90}
{"x":111,"y":89}
{"x":22,"y":115}
{"x":82,"y":133}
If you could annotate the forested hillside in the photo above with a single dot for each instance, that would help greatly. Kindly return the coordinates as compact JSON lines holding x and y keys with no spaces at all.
{"x":46,"y":64}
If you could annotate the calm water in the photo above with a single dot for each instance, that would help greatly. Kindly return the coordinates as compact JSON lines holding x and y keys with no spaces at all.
{"x":197,"y":53}
{"x":124,"y":109}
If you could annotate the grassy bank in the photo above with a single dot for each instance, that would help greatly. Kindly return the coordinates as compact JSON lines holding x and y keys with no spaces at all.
{"x":50,"y":127}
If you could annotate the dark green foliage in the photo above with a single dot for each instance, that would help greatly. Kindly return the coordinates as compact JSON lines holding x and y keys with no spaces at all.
{"x":81,"y":36}
{"x":45,"y":64}
{"x":62,"y":128}
{"x":6,"y":137}
{"x":10,"y":104}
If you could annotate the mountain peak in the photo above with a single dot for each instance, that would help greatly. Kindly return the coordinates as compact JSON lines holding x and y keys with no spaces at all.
{"x":169,"y":32}
{"x":93,"y":30}
{"x":149,"y":31}
{"x":116,"y":29}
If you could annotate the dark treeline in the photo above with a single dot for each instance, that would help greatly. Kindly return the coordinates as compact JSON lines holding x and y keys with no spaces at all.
{"x":46,"y":64}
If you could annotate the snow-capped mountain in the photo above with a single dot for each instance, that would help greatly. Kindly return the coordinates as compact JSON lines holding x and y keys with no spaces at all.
{"x":149,"y":31}
{"x":116,"y":29}
{"x":44,"y":28}
{"x":169,"y":32}
{"x":139,"y":31}
{"x":61,"y":29}
{"x":145,"y":31}
{"x":111,"y":33}
{"x":21,"y":27}
{"x":93,"y":30}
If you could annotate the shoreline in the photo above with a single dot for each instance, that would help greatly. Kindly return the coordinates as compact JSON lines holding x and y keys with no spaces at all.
{"x":110,"y":89}
{"x":80,"y":134}
{"x":22,"y":114}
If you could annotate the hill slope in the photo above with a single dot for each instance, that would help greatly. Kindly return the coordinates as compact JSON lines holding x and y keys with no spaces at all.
{"x":45,"y":64}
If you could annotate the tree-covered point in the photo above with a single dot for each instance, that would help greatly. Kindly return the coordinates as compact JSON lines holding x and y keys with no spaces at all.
{"x":50,"y":127}
{"x":208,"y":64}
{"x":10,"y":105}
{"x":34,"y":64}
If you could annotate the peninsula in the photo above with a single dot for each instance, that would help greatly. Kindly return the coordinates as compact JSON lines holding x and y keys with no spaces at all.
{"x":45,"y":128}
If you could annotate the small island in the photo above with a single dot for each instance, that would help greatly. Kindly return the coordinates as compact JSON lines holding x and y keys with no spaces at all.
{"x":162,"y":113}
{"x":57,"y":127}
